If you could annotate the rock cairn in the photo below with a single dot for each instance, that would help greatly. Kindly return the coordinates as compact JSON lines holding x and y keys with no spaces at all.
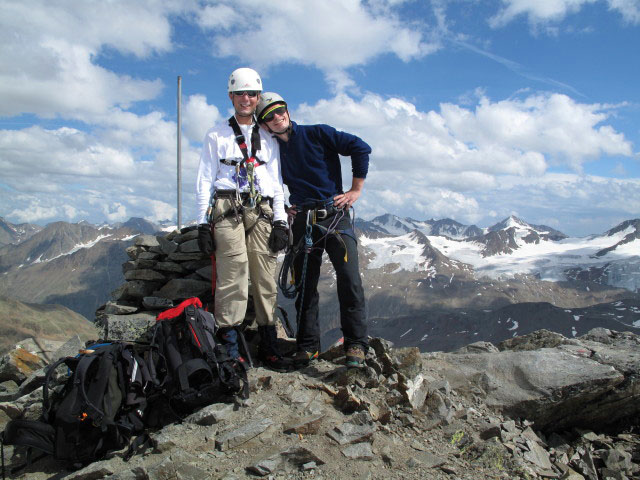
{"x":161,"y":271}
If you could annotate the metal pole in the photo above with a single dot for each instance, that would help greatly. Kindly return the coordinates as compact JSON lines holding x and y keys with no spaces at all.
{"x":179,"y":153}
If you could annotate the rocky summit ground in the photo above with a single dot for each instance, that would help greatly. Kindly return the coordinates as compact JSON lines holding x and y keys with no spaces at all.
{"x":406,"y":415}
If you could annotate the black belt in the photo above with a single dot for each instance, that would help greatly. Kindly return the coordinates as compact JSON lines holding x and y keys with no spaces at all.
{"x":321,"y":212}
{"x":243,"y":195}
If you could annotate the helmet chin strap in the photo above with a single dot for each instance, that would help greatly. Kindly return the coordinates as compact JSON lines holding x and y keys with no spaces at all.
{"x":286,"y":130}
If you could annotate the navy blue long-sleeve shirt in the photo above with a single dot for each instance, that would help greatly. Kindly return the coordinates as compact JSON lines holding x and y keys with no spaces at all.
{"x":310,"y":161}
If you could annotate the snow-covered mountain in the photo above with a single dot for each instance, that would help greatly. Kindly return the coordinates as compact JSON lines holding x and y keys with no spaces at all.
{"x":59,"y":239}
{"x":392,"y":225}
{"x":513,"y":247}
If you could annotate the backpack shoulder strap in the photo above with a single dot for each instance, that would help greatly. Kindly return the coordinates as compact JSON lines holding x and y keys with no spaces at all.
{"x":46,"y":407}
{"x":107,"y":360}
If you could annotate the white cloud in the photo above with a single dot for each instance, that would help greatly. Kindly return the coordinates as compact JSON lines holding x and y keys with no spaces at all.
{"x":629,"y":9}
{"x":454,"y":162}
{"x":52,"y":46}
{"x":514,"y":136}
{"x":198,"y":117}
{"x":115,"y":212}
{"x":544,"y":12}
{"x":312,"y":32}
{"x":537,"y":10}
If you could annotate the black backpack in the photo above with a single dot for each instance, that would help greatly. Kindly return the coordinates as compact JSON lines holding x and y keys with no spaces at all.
{"x":198,"y":369}
{"x":99,"y":408}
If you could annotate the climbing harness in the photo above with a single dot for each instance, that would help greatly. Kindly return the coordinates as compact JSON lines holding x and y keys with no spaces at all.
{"x":249,"y":163}
{"x":306,"y":245}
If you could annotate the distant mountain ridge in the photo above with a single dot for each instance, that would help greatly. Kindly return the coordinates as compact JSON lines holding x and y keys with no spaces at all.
{"x":58,"y":239}
{"x":13,"y":234}
{"x":19,"y":320}
{"x":392,"y":225}
{"x":426,"y":264}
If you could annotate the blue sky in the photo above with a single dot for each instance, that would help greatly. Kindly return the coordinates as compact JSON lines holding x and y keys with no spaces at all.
{"x":475,"y":110}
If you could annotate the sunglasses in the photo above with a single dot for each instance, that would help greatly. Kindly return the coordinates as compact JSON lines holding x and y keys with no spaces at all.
{"x":250,"y":93}
{"x":281,"y":110}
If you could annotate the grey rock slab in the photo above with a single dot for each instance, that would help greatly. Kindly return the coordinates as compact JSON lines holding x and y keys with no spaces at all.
{"x":145,"y":274}
{"x":537,"y":455}
{"x":8,"y":390}
{"x":548,"y":386}
{"x":205,"y":272}
{"x":358,"y":451}
{"x":146,"y":241}
{"x":184,"y":257}
{"x":430,"y":460}
{"x":308,"y":425}
{"x":133,"y":251}
{"x":267,"y":465}
{"x":351,"y":433}
{"x":211,"y":414}
{"x":243,"y":434}
{"x":135,"y":289}
{"x":140,"y":263}
{"x":148,"y":256}
{"x":69,"y":348}
{"x":94,"y":471}
{"x":416,"y":391}
{"x":190,"y":246}
{"x":178,"y":466}
{"x":407,"y":361}
{"x":116,"y":308}
{"x":156,"y":303}
{"x":195,"y":265}
{"x":180,"y":288}
{"x":295,"y":456}
{"x":166,"y":246}
{"x":18,"y":364}
{"x":185,"y":237}
{"x":617,"y":459}
{"x":126,"y":327}
{"x":171,"y":267}
{"x":42,"y":347}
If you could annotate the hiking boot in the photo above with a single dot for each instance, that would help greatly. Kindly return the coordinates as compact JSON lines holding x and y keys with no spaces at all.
{"x":228,"y":336}
{"x":302,"y":358}
{"x":269,"y":352}
{"x":355,"y":357}
{"x":277,"y":363}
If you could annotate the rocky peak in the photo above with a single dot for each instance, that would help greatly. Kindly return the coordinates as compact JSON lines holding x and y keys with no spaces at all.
{"x":537,"y":407}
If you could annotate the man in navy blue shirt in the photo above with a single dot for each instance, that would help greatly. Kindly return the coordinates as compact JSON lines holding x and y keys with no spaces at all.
{"x":310,"y":163}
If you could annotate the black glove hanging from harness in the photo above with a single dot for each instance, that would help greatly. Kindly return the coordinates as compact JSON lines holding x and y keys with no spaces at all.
{"x":206,"y":243}
{"x":279,"y":237}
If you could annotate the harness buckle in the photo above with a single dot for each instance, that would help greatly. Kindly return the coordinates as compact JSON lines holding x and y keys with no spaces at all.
{"x":321,"y":213}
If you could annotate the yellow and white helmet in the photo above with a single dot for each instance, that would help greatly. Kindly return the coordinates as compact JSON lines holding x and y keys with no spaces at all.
{"x":268,"y":99}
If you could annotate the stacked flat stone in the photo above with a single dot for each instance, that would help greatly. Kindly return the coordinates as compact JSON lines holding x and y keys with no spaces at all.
{"x":161,"y":272}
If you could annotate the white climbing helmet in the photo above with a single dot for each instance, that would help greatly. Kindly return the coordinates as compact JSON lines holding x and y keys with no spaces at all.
{"x":244,"y":79}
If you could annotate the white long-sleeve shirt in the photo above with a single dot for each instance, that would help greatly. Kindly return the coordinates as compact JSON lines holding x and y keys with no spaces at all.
{"x":220,"y":143}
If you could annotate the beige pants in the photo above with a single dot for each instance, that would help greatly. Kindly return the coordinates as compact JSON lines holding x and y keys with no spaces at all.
{"x":242,"y":253}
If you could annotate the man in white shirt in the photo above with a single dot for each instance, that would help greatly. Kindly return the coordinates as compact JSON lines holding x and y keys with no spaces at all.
{"x":242,"y":219}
